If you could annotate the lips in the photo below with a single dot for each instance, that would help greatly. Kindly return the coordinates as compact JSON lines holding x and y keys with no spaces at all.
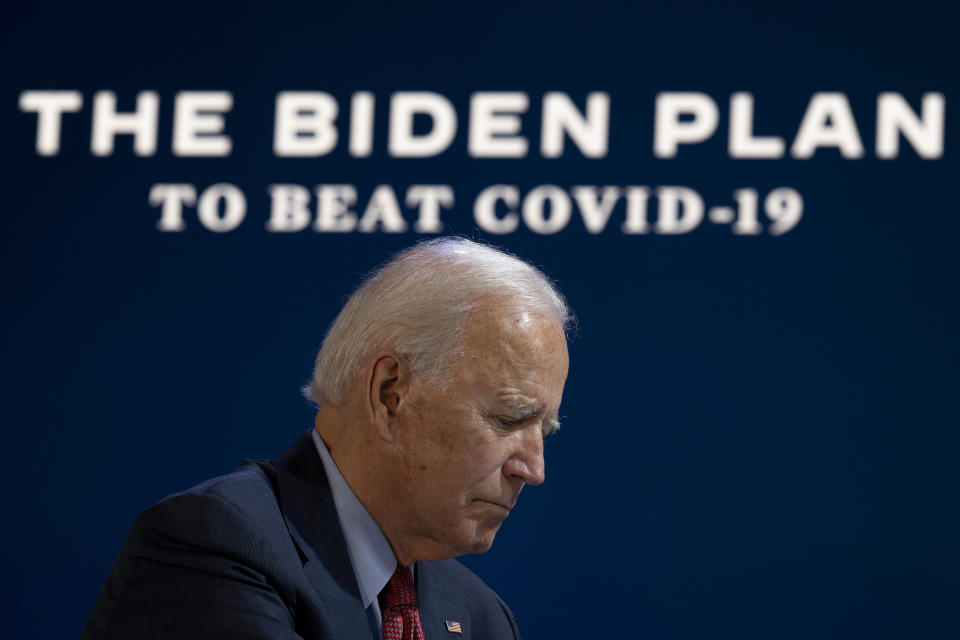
{"x":508,"y":505}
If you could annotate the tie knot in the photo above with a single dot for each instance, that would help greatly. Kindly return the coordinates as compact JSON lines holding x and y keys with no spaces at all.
{"x":400,"y":590}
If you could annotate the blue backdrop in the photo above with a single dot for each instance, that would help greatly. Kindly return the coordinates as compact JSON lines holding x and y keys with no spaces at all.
{"x":761,"y":431}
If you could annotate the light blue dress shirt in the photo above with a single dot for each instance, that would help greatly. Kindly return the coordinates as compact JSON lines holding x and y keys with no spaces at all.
{"x":370,"y":554}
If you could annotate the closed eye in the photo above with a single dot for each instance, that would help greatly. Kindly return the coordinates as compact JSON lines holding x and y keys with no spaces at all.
{"x":550,"y":425}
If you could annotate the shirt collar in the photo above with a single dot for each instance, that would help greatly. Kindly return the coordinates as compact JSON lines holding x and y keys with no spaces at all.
{"x":370,"y":553}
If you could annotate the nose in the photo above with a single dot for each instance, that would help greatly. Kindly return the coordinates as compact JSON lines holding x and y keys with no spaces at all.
{"x":527,"y":462}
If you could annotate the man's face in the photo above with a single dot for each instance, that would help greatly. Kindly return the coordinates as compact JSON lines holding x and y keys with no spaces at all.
{"x":468,"y":452}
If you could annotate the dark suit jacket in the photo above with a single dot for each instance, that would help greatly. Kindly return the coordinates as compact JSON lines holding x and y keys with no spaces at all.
{"x":259,"y":553}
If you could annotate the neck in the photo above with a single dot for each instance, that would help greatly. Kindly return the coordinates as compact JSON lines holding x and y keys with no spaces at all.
{"x":365,"y":462}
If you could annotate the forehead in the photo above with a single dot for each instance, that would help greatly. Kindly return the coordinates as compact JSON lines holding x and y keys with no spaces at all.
{"x":504,"y":346}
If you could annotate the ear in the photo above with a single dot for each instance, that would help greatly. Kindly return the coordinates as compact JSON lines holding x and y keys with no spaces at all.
{"x":386,"y":393}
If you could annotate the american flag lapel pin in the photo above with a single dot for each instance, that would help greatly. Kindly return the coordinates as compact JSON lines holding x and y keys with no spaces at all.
{"x":453,"y":626}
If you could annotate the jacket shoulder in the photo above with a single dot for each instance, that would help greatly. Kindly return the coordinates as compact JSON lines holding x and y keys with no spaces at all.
{"x":244,"y":498}
{"x":218,"y":549}
{"x":249,"y":489}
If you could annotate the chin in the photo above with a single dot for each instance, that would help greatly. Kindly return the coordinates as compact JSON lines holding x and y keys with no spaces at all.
{"x":482,"y":540}
{"x":473,"y":534}
{"x":480,"y":546}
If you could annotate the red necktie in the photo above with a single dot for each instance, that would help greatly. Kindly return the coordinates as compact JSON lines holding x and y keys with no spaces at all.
{"x":401,"y":618}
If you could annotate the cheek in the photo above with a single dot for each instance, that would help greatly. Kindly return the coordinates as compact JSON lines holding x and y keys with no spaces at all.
{"x":435,"y":432}
{"x":483,"y":467}
{"x":448,"y":452}
{"x":433,"y":459}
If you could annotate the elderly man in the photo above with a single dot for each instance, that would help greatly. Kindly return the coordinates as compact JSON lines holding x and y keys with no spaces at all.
{"x":436,"y":385}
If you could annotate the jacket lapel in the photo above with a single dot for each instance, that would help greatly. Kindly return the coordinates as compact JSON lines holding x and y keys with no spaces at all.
{"x":311,"y":517}
{"x":437,"y":608}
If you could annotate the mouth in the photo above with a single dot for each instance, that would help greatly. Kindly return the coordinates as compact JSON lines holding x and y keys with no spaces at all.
{"x":506,"y":506}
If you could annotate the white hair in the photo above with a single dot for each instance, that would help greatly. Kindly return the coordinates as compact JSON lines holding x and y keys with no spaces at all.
{"x":418,"y":304}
